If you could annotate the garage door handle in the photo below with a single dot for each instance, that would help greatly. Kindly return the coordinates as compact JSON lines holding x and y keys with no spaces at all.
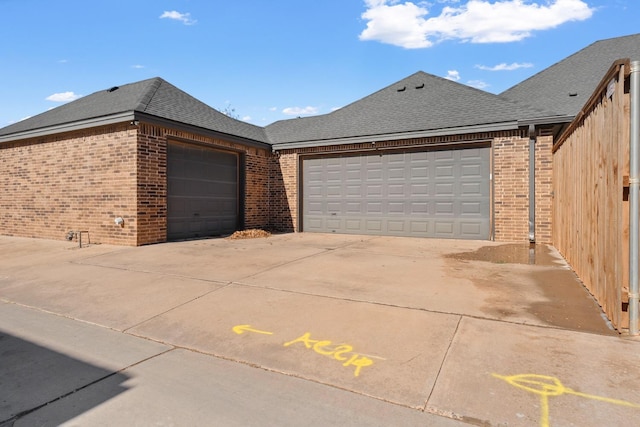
{"x":196,"y":214}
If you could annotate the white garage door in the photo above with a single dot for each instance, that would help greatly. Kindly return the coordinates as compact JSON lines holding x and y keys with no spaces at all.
{"x":436,"y":193}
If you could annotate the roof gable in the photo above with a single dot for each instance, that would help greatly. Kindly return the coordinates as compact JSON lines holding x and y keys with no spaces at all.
{"x":420,"y":102}
{"x":567,"y":85}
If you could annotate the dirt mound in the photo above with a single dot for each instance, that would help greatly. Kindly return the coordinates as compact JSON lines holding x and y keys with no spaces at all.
{"x":249,"y":234}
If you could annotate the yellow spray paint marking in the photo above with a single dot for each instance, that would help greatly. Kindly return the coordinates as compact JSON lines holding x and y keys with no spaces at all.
{"x":545,"y":386}
{"x":339,"y":352}
{"x":240,"y":329}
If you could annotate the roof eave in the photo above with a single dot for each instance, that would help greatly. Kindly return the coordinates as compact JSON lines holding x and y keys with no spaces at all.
{"x":491,"y":127}
{"x":155,"y":120}
{"x":128,"y":116}
{"x":69,"y":127}
{"x":548,"y":120}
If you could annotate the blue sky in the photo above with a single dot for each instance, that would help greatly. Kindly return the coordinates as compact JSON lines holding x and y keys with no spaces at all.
{"x":279,"y":59}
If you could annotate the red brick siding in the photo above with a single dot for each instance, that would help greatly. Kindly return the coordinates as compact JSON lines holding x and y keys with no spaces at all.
{"x":544,"y":189}
{"x":151,"y":169}
{"x":284,"y":192}
{"x":511,"y":188}
{"x":74,"y":181}
{"x":83,"y":180}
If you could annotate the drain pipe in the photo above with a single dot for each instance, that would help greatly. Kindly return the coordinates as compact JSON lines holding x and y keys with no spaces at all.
{"x":634,"y":192}
{"x":532,"y":184}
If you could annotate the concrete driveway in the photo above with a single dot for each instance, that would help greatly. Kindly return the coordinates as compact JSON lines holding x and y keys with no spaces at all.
{"x":451,"y":328}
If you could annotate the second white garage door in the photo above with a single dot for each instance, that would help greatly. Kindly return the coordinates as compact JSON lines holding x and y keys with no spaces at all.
{"x":436,"y":193}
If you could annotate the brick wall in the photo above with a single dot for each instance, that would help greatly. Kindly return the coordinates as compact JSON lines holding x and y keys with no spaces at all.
{"x":83,"y":180}
{"x":151,"y":189}
{"x":511,"y":188}
{"x":73,"y":181}
{"x":511,"y":181}
{"x":544,"y":189}
{"x":284,"y":192}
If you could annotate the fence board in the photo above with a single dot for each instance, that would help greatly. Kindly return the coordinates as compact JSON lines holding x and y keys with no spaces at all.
{"x":590,"y":213}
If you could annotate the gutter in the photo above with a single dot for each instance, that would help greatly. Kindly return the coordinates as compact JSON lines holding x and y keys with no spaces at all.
{"x":634,"y":193}
{"x":532,"y":184}
{"x":494,"y":127}
{"x":68,"y":127}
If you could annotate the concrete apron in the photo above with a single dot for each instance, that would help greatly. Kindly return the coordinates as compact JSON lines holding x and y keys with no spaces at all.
{"x":430,"y":324}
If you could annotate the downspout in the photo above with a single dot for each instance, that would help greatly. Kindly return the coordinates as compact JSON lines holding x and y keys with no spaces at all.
{"x":532,"y":184}
{"x":634,"y":192}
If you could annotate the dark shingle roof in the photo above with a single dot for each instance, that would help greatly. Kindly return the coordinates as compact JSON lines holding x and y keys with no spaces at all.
{"x":578,"y":74}
{"x":154,"y":97}
{"x":420,"y":102}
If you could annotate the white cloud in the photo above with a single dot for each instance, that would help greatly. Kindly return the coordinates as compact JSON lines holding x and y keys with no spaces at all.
{"x":506,"y":67}
{"x":405,"y":24}
{"x":137,"y":66}
{"x":246,"y":118}
{"x":62,"y":97}
{"x":300,"y":111}
{"x":185,"y":18}
{"x":478,"y":84}
{"x":453,"y":75}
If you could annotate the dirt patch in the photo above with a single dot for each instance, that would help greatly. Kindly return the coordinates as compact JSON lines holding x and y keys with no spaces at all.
{"x":512,"y":253}
{"x":249,"y":234}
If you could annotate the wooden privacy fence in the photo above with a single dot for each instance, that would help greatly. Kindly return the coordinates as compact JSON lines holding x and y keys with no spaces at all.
{"x":591,"y":188}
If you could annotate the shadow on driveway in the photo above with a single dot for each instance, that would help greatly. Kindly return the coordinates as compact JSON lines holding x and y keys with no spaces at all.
{"x":32,"y":376}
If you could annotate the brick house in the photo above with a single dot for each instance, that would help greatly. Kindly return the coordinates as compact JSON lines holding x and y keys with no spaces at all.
{"x":423,"y":157}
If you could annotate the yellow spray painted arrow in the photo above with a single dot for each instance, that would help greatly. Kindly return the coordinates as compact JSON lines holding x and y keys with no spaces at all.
{"x":241,"y":329}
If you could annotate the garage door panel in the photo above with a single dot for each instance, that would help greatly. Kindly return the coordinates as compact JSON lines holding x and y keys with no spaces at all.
{"x":446,"y":189}
{"x":470,"y":208}
{"x":419,"y":226}
{"x":354,"y":208}
{"x":334,"y":207}
{"x":202,"y":192}
{"x":470,"y":229}
{"x":471,"y":189}
{"x":471,"y":171}
{"x":373,"y":190}
{"x":353,"y":225}
{"x":419,"y":207}
{"x":419,"y":172}
{"x":439,"y":193}
{"x":373,"y":225}
{"x":444,"y":229}
{"x":396,"y":226}
{"x":396,"y":208}
{"x":444,"y":208}
{"x":419,"y":189}
{"x":396,"y":190}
